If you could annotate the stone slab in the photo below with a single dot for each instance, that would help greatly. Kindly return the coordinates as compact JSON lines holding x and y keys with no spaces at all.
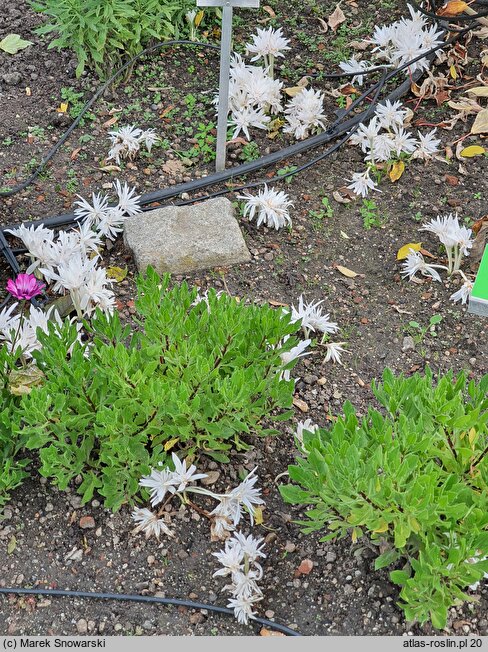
{"x":180,"y":239}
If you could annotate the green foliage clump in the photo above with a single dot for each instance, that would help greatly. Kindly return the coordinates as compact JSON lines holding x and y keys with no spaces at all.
{"x":104,"y":34}
{"x":12,"y":465}
{"x":415,"y":481}
{"x":193,"y":378}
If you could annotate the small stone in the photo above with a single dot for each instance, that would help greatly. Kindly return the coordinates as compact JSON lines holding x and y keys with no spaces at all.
{"x":331,"y":557}
{"x":290,"y":547}
{"x":269,"y":613}
{"x":118,"y":627}
{"x":408,"y":344}
{"x":49,"y":507}
{"x":12,"y":78}
{"x":87,"y":522}
{"x":212,"y":477}
{"x":147,"y":625}
{"x":268,"y":256}
{"x":82,"y":626}
{"x":305,"y":568}
{"x":182,"y":239}
{"x":182,"y":554}
{"x":151,"y":560}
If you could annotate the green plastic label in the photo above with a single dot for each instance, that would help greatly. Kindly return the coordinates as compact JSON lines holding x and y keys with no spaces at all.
{"x":478,"y":301}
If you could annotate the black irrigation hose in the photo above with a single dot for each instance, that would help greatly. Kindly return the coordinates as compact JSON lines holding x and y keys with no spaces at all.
{"x":148,"y":598}
{"x":22,"y":186}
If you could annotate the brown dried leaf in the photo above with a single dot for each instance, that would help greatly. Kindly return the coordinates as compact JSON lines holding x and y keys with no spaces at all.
{"x":453,"y":8}
{"x":324,"y":28}
{"x":480,"y":125}
{"x":173,"y":167}
{"x":268,"y":632}
{"x":269,"y":11}
{"x":336,"y":18}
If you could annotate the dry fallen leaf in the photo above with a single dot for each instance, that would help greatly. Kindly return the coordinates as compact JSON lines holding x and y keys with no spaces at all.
{"x":269,"y":11}
{"x":117,"y":273}
{"x":453,"y":8}
{"x":479,"y":244}
{"x":480,"y":125}
{"x":405,"y":250}
{"x":397,"y":169}
{"x":339,"y":198}
{"x":336,"y":18}
{"x":110,"y":122}
{"x":173,"y":167}
{"x":346,"y":272}
{"x":479,"y":91}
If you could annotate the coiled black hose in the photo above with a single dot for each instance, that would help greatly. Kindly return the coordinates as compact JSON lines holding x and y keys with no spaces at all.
{"x":177,"y":602}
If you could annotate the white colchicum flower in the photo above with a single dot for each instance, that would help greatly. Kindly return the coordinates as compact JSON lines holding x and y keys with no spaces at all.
{"x":312,"y":318}
{"x":150,"y":523}
{"x":427,"y":145}
{"x":159,"y":484}
{"x":239,"y":561}
{"x":92,"y":213}
{"x":304,"y":114}
{"x":309,"y":426}
{"x":182,"y":476}
{"x":455,"y":238}
{"x":390,"y":113}
{"x":127,"y":141}
{"x":268,"y":44}
{"x":334,"y":351}
{"x":463,"y":293}
{"x":353,"y":65}
{"x":270,"y":205}
{"x":361,"y":183}
{"x":415,"y":263}
{"x":294,"y":353}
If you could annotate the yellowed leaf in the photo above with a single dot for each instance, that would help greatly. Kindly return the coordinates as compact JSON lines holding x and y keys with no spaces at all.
{"x":453,"y":8}
{"x":405,"y":250}
{"x":293,"y":90}
{"x":479,"y":91}
{"x":258,"y":515}
{"x":453,"y":72}
{"x":117,"y":273}
{"x":472,"y":150}
{"x":472,"y":435}
{"x":336,"y":18}
{"x":356,"y":533}
{"x":170,"y":443}
{"x":480,"y":125}
{"x":383,"y":527}
{"x":398,"y":168}
{"x":199,"y":18}
{"x":63,"y":107}
{"x":344,"y":235}
{"x":346,"y":272}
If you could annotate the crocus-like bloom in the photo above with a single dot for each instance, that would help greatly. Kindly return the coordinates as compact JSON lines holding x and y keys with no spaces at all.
{"x":463,"y":293}
{"x":415,"y":263}
{"x":25,"y":287}
{"x":361,"y":183}
{"x":271,"y":206}
{"x":334,"y":350}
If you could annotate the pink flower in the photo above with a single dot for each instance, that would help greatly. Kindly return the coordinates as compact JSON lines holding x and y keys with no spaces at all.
{"x":25,"y":286}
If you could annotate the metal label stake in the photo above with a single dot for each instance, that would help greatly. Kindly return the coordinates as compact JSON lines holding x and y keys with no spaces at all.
{"x":225,"y":50}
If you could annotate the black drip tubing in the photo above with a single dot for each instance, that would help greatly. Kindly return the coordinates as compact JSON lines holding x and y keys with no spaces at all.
{"x":124,"y":597}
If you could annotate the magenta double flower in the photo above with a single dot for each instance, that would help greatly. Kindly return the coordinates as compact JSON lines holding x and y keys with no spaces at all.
{"x":25,"y":287}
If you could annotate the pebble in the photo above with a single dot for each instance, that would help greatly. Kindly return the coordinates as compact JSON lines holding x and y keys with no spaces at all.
{"x":182,"y":554}
{"x":269,"y":613}
{"x":331,"y":556}
{"x":82,"y":626}
{"x":290,"y":547}
{"x":87,"y":522}
{"x":197,"y":618}
{"x":408,"y":344}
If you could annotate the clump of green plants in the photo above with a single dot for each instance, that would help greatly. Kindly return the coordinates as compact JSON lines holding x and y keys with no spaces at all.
{"x":413,"y":480}
{"x":12,"y":463}
{"x":198,"y":375}
{"x":104,"y":34}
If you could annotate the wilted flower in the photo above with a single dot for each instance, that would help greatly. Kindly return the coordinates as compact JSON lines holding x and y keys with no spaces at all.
{"x":463,"y":293}
{"x":25,"y":287}
{"x":361,"y":183}
{"x":353,"y":65}
{"x":415,"y":263}
{"x":296,"y":352}
{"x":150,"y":524}
{"x":271,"y":207}
{"x":334,"y":350}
